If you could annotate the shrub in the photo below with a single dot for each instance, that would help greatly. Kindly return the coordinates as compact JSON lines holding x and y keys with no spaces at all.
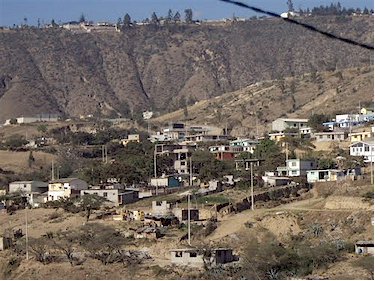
{"x":12,"y":264}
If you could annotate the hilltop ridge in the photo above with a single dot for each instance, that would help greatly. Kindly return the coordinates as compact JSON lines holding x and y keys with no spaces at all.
{"x":163,"y":68}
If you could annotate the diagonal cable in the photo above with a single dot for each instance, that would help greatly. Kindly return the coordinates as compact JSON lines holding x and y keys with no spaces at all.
{"x":307,"y":26}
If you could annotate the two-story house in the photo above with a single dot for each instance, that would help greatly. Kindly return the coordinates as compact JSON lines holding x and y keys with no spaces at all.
{"x":363,"y":148}
{"x":65,"y":188}
{"x":296,"y":167}
{"x":281,"y":124}
{"x":34,"y":191}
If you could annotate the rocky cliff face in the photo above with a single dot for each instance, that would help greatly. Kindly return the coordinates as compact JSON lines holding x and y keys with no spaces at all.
{"x":120,"y":73}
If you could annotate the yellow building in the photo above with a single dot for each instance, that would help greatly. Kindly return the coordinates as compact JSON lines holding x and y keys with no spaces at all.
{"x":65,"y":188}
{"x":277,"y":137}
{"x":360,"y":136}
{"x":130,"y":138}
{"x":365,"y":111}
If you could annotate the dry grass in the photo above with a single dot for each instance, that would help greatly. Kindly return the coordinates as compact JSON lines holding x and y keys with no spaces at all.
{"x":18,"y":161}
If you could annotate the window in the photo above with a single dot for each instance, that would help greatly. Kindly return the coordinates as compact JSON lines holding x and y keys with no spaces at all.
{"x":183,"y":163}
{"x":193,"y":254}
{"x":159,"y":203}
{"x":294,"y":164}
{"x":105,"y":194}
{"x":182,"y":171}
{"x":367,"y":148}
{"x":178,"y":255}
{"x":294,"y":172}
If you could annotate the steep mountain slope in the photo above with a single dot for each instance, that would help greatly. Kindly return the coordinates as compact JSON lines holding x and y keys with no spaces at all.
{"x":111,"y":73}
{"x":253,"y":108}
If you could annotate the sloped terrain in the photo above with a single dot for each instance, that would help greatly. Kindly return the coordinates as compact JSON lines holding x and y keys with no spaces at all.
{"x":253,"y":108}
{"x":111,"y":73}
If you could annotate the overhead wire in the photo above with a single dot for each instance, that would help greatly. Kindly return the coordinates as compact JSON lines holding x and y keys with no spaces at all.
{"x":305,"y":25}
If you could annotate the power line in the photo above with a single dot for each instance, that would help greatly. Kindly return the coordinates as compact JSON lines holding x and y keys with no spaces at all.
{"x":307,"y":26}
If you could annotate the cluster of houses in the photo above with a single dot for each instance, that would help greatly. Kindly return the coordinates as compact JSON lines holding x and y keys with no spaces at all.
{"x":38,"y":192}
{"x":180,"y":140}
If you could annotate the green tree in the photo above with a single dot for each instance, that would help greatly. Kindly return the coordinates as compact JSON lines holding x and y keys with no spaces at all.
{"x":53,"y":23}
{"x":90,"y":202}
{"x":290,"y":6}
{"x":15,"y":141}
{"x":177,"y":17}
{"x":127,"y":20}
{"x":208,"y":167}
{"x":154,"y":18}
{"x":42,"y":128}
{"x":169,"y":16}
{"x":326,"y":163}
{"x":316,"y":122}
{"x":13,"y":121}
{"x":270,"y":152}
{"x":82,"y":18}
{"x":188,"y":15}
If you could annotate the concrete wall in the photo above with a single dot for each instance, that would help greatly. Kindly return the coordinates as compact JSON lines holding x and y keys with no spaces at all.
{"x":161,"y":208}
{"x":187,"y":259}
{"x":28,"y":186}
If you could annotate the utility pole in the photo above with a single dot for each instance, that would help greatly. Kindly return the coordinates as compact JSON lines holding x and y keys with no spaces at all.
{"x":27,"y":235}
{"x":286,"y":151}
{"x":371,"y":167}
{"x":191,"y":173}
{"x":106,"y":154}
{"x":189,"y":220}
{"x":155,"y":171}
{"x":53,"y":171}
{"x":252,"y":185}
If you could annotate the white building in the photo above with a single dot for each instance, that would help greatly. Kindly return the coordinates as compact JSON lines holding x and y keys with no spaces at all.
{"x":281,"y":124}
{"x":41,"y":118}
{"x":296,"y":167}
{"x":114,"y":195}
{"x":363,"y":148}
{"x":248,"y":145}
{"x":330,"y":136}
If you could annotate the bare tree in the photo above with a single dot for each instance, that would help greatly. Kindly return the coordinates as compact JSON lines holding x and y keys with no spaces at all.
{"x":40,"y":248}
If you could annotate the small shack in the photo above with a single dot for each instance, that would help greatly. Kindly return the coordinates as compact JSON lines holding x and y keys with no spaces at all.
{"x":5,"y":243}
{"x":276,"y":181}
{"x":194,"y":214}
{"x":200,"y":258}
{"x":364,"y":247}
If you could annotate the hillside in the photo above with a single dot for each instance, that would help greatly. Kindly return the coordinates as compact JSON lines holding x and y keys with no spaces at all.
{"x":299,"y":96}
{"x":288,"y":226}
{"x":112,"y":73}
